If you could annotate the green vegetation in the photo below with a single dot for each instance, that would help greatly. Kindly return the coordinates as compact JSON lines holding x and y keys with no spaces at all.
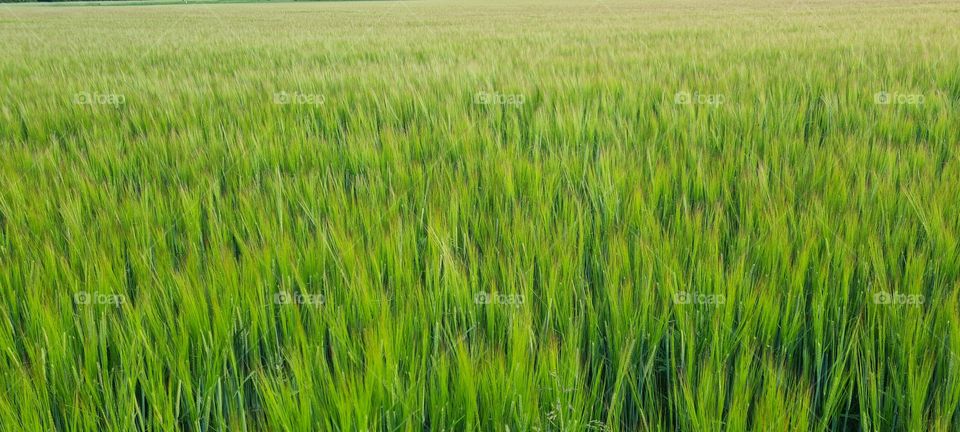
{"x":653,"y":215}
{"x":152,"y":2}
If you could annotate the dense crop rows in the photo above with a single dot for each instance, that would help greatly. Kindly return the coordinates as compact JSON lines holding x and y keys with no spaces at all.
{"x":651,"y":215}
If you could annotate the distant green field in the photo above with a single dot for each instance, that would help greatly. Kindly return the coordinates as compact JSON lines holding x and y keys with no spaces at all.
{"x":410,"y":216}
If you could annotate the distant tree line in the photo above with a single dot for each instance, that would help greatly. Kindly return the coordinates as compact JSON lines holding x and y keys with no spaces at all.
{"x":145,"y":1}
{"x":51,"y":1}
{"x":54,"y":1}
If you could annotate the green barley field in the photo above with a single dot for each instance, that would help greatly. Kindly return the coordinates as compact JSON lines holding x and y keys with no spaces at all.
{"x":649,"y":215}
